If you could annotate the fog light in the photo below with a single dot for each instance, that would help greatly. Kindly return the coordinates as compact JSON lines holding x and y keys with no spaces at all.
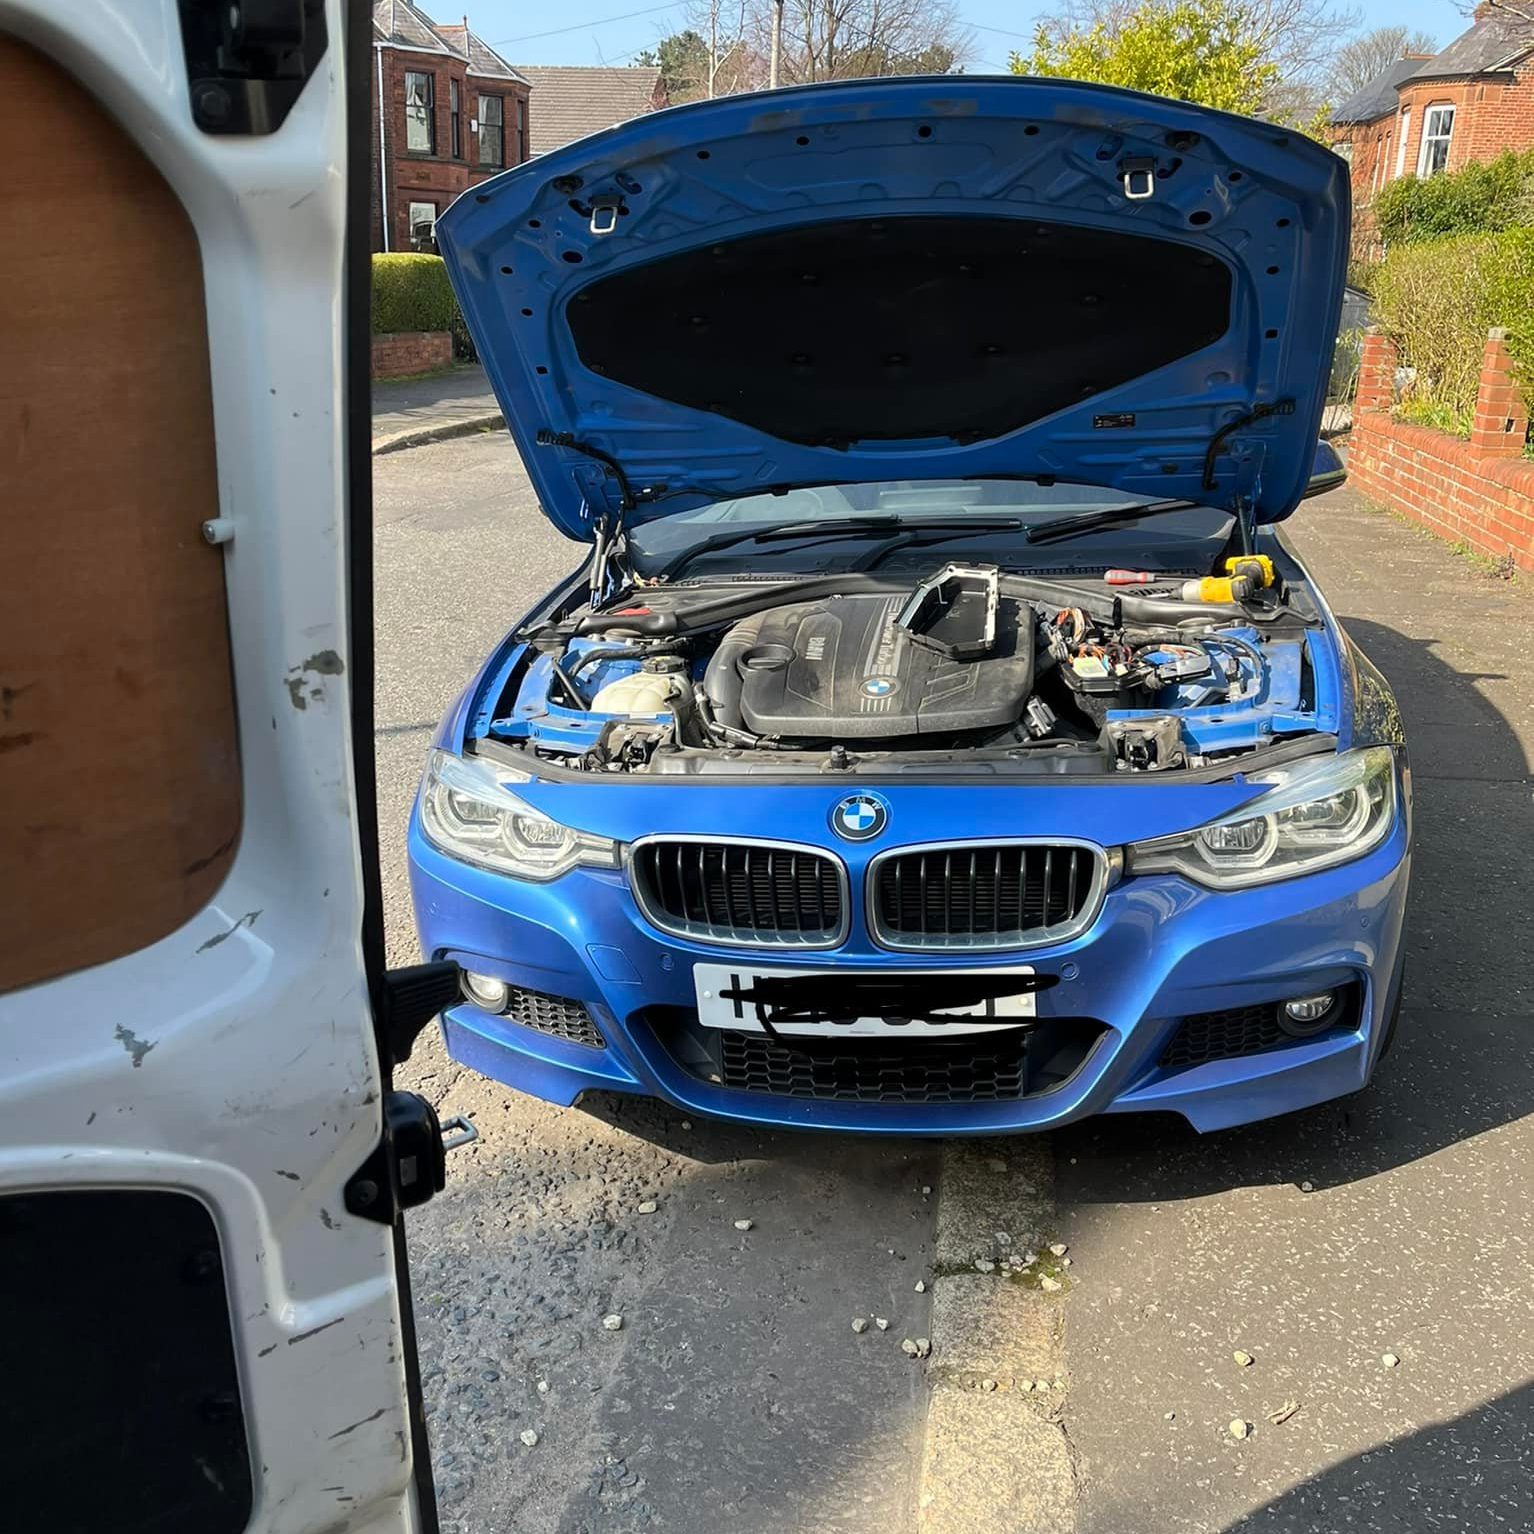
{"x":1304,"y":1015}
{"x":486,"y":991}
{"x":1310,"y":1009}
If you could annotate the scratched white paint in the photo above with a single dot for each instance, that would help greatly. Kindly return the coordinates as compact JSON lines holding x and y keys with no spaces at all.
{"x":235,"y":1058}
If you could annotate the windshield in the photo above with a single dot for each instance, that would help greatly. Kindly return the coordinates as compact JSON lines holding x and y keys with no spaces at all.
{"x":1177,"y":540}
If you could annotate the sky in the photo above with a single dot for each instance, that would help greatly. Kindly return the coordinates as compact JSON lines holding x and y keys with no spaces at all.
{"x":612,"y":31}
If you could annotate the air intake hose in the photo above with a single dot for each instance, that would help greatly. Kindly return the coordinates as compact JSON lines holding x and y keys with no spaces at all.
{"x":722,"y":680}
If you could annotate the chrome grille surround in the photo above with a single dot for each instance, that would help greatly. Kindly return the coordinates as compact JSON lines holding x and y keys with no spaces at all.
{"x":764,"y":882}
{"x":961,"y":866}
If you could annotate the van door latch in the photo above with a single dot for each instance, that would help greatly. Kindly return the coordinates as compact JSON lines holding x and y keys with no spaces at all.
{"x":407,"y":1168}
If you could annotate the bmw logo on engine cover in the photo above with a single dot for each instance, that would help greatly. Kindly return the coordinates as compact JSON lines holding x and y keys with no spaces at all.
{"x":878,"y":687}
{"x":859,"y":817}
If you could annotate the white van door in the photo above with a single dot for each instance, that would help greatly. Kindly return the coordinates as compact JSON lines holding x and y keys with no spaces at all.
{"x":206,"y":1322}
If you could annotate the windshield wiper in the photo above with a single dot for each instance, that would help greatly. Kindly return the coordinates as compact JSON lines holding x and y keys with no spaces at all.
{"x":1105,"y":516}
{"x":829,"y":532}
{"x":916,"y":536}
{"x":739,"y":535}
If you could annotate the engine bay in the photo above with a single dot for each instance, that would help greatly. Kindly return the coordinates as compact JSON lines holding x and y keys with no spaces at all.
{"x":970,"y":666}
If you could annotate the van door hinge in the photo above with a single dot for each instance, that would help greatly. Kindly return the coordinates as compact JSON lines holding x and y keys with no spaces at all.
{"x":247,"y":60}
{"x":409,"y":1165}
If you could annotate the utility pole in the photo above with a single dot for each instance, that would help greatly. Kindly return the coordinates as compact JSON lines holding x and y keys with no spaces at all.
{"x":713,"y":45}
{"x":777,"y":44}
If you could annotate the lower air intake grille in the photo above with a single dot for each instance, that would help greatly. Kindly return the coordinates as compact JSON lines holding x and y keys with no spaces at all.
{"x":557,"y":1016}
{"x":1224,"y":1036}
{"x":900,"y":1068}
{"x":1008,"y":895}
{"x":741,"y":892}
{"x":912,"y":1073}
{"x":1246,"y":1031}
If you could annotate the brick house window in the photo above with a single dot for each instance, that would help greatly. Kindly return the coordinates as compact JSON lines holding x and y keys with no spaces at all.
{"x":1401,"y":141}
{"x":1344,"y":150}
{"x":455,"y":120}
{"x":420,"y":129}
{"x":521,"y":130}
{"x":492,"y":131}
{"x":423,"y":226}
{"x":1437,"y":130}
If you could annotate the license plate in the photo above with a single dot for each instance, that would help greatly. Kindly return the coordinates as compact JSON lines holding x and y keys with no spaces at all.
{"x":720,"y":1007}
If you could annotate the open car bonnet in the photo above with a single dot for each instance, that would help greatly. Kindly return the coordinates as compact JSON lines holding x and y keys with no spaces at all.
{"x":908,"y":279}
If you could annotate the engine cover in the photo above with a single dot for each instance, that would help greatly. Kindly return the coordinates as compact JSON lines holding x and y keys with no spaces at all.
{"x":842,"y":668}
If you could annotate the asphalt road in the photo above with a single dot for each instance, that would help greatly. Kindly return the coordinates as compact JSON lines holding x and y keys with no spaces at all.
{"x":736,"y":1393}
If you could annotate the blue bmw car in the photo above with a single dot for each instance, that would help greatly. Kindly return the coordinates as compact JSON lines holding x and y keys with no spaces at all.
{"x":940,"y":735}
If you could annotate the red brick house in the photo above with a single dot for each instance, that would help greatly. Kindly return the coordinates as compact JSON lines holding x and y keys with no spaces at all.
{"x":1425,"y":115}
{"x":448,"y":112}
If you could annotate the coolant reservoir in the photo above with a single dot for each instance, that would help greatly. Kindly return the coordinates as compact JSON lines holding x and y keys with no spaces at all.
{"x":643,"y":692}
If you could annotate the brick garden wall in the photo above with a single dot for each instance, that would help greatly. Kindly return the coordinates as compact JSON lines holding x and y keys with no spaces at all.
{"x":1479,"y":492}
{"x":411,"y":351}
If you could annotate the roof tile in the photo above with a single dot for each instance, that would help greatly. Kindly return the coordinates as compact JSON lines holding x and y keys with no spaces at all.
{"x":571,"y":101}
{"x":1377,"y":98}
{"x":1491,"y":44}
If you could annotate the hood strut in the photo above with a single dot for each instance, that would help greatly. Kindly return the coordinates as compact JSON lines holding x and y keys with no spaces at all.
{"x":1245,"y":501}
{"x":608,"y":530}
{"x":601,"y":553}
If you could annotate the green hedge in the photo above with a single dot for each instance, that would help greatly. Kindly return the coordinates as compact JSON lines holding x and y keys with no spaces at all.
{"x":1483,"y":198}
{"x":411,"y":293}
{"x":1437,"y":299}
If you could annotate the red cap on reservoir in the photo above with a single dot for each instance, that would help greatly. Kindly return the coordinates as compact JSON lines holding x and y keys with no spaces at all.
{"x":1127,"y":577}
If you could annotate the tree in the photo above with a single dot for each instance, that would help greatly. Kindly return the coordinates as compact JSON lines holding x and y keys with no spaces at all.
{"x":1268,"y":58}
{"x":852,"y":39}
{"x":1193,"y":50}
{"x":711,"y":57}
{"x":822,"y":40}
{"x":682,"y":59}
{"x":1357,"y":62}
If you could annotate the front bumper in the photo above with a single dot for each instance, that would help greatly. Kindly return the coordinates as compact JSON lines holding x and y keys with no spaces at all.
{"x":1160,"y":950}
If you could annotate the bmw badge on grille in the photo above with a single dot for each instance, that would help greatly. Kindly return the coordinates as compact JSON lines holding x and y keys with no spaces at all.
{"x":860,"y":817}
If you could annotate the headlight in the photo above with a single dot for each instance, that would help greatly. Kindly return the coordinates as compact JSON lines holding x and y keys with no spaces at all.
{"x":1320,"y":814}
{"x":468,"y":812}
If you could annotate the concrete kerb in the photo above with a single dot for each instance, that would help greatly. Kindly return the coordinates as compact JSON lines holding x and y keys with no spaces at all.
{"x":419,"y":436}
{"x":996,"y":1452}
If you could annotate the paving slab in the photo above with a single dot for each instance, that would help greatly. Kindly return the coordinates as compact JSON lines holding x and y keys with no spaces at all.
{"x":994,"y":1462}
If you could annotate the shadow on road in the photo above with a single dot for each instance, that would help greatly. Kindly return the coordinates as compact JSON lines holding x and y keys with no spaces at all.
{"x":1470,"y":1472}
